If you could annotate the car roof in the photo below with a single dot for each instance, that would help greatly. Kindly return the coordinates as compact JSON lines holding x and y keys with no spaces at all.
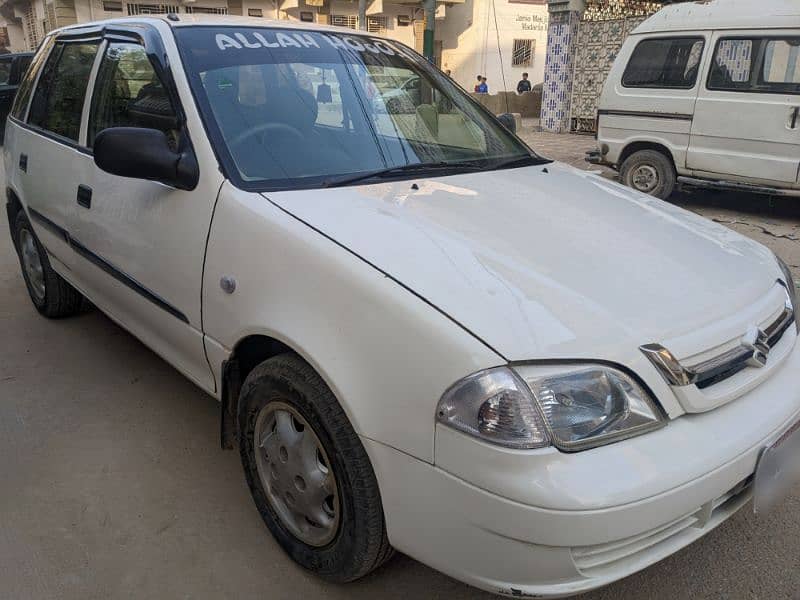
{"x":189,"y":20}
{"x":723,"y":14}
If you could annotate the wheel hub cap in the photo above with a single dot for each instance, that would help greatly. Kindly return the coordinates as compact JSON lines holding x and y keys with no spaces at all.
{"x":296,"y":475}
{"x":32,"y":263}
{"x":645,"y":178}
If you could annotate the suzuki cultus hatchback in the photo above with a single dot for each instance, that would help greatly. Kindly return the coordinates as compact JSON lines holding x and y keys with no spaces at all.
{"x":423,"y":336}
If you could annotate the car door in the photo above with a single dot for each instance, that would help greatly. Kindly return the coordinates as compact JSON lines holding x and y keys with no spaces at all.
{"x":49,"y":162}
{"x":746,"y":122}
{"x":144,"y":242}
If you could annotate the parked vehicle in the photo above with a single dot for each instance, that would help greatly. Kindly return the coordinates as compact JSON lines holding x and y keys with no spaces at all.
{"x":706,"y":94}
{"x":12,"y":70}
{"x":423,"y":336}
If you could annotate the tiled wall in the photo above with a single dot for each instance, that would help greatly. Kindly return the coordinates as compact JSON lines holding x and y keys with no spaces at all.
{"x":558,"y":69}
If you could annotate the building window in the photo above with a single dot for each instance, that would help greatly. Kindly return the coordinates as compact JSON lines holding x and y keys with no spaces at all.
{"x":112,"y":5}
{"x":377,"y":24}
{"x":403,"y":20}
{"x":664,"y":63}
{"x":255,"y":12}
{"x":307,"y":16}
{"x":152,"y":9}
{"x":522,"y":55}
{"x":350,"y":21}
{"x":207,"y":10}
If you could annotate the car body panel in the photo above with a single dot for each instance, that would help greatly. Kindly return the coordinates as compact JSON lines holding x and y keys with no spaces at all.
{"x":522,"y":257}
{"x":387,"y":355}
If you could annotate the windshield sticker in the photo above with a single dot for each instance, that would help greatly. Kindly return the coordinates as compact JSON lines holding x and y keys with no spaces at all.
{"x":267,"y":39}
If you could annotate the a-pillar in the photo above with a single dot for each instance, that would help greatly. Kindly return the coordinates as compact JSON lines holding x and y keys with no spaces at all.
{"x":559,"y":65}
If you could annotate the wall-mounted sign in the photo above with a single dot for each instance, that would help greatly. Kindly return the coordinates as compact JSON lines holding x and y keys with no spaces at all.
{"x":532,"y":22}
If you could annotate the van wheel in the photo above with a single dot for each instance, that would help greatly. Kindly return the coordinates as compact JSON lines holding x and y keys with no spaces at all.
{"x":308,"y":472}
{"x":50,"y":293}
{"x":649,"y":171}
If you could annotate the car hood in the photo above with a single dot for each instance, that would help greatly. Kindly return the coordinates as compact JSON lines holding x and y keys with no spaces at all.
{"x":545,"y":261}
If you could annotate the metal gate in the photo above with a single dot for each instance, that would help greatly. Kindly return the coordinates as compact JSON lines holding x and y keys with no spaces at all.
{"x":603,"y":28}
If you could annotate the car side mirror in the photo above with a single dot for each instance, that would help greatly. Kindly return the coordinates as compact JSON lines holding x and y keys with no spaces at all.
{"x":145,"y":154}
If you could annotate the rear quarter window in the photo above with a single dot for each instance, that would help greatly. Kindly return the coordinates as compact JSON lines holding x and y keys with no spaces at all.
{"x":20,"y":108}
{"x":664,"y":63}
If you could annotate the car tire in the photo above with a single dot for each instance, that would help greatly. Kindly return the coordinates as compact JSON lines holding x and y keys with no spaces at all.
{"x":649,"y":172}
{"x":345,"y":535}
{"x":52,"y":296}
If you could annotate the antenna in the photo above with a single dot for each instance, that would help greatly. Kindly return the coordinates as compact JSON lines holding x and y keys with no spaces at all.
{"x":500,"y":55}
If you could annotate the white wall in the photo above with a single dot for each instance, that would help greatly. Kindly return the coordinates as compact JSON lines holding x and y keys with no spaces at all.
{"x":470,"y":33}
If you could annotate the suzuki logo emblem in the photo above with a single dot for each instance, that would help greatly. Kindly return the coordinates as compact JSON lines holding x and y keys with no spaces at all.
{"x":756,"y":341}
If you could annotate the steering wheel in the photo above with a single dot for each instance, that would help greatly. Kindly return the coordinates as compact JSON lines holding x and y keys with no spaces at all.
{"x":264,"y":127}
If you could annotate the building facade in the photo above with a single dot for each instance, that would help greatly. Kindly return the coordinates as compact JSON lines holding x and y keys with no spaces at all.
{"x":499,"y":39}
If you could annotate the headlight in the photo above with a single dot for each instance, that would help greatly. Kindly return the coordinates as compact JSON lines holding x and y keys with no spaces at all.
{"x":792,"y":287}
{"x":591,"y":405}
{"x":571,"y":407}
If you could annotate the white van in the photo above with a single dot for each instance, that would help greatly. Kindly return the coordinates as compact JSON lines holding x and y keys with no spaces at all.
{"x":706,"y":94}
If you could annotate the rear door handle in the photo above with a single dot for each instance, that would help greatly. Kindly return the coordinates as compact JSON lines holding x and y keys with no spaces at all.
{"x":85,"y":196}
{"x":23,"y":163}
{"x":793,"y":120}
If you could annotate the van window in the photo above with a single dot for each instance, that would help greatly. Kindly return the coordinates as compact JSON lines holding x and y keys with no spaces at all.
{"x":58,"y":100}
{"x":24,"y":93}
{"x":756,"y":65}
{"x":128,"y":93}
{"x":782,"y":63}
{"x":664,"y":63}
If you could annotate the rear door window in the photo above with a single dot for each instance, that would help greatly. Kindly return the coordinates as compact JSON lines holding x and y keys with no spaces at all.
{"x":664,"y":63}
{"x":58,"y":101}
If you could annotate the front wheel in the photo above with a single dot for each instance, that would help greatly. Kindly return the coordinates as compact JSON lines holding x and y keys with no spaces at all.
{"x":308,"y":472}
{"x":650,"y":172}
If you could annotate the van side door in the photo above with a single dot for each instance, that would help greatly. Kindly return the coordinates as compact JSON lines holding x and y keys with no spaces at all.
{"x":746,"y":123}
{"x":142,"y":243}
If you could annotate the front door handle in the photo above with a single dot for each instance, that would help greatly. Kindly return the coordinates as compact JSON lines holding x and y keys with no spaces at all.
{"x":23,"y":163}
{"x":85,"y":196}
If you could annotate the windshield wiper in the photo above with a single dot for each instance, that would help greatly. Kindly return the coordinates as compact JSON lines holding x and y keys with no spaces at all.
{"x":520,"y":161}
{"x":402,"y":170}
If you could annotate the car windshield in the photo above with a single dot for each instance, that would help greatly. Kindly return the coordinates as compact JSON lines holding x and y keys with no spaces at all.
{"x":289,"y":108}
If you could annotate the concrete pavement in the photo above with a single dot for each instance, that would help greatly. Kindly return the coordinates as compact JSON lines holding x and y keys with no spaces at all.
{"x":113,"y":484}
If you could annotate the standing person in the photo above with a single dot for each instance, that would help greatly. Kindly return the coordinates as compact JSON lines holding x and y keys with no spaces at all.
{"x":447,"y":72}
{"x":483,"y":87}
{"x":477,"y":85}
{"x":524,"y":85}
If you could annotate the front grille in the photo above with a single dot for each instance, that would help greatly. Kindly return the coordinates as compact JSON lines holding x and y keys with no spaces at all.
{"x":604,"y":559}
{"x":750,"y":352}
{"x":727,"y":365}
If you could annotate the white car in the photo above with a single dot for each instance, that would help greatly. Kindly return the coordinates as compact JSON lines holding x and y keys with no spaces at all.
{"x":423,"y":336}
{"x":706,"y":94}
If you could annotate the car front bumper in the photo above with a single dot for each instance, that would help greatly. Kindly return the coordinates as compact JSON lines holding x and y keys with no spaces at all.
{"x":565,"y":524}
